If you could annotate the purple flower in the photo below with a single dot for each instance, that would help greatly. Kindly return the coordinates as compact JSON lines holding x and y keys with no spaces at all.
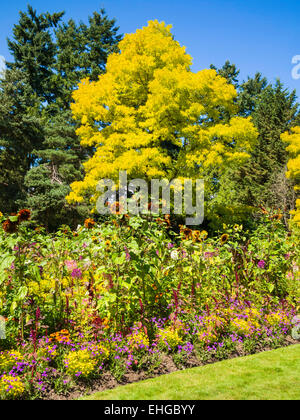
{"x":128,"y":257}
{"x":261,"y":264}
{"x":209,"y":254}
{"x":76,"y":273}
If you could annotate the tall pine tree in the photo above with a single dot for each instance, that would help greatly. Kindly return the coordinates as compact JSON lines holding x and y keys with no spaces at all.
{"x":261,"y":181}
{"x":21,"y":131}
{"x":34,"y":51}
{"x":54,"y":56}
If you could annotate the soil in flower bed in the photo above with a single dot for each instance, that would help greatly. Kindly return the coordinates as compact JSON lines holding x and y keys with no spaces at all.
{"x":167,"y":365}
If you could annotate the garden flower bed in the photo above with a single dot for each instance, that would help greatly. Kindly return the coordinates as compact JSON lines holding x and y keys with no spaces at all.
{"x":130,"y":298}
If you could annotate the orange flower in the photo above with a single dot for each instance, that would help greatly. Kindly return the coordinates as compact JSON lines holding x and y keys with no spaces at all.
{"x":277,"y":216}
{"x":188,"y":233}
{"x":62,"y":336}
{"x":196,"y":236}
{"x":167,"y":219}
{"x":10,"y":227}
{"x":89,"y":223}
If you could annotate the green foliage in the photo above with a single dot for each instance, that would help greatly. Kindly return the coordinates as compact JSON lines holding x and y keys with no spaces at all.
{"x":250,"y":92}
{"x":229,"y":71}
{"x":82,"y":51}
{"x":262,"y":180}
{"x":140,"y":272}
{"x":125,"y":294}
{"x":59,"y":163}
{"x":21,"y":131}
{"x":34,"y":50}
{"x":41,"y":154}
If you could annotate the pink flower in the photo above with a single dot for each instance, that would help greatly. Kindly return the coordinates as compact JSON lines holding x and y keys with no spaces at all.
{"x":71,"y":265}
{"x":261,"y":264}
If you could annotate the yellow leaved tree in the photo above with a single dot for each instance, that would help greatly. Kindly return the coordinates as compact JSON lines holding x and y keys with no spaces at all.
{"x":293,"y":166}
{"x":152,"y":116}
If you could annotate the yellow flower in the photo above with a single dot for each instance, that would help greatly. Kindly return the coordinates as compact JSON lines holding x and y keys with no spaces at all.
{"x":9,"y":359}
{"x":196,"y":236}
{"x":48,"y":351}
{"x":107,"y":244}
{"x":80,"y":363}
{"x":277,"y":318}
{"x":11,"y":386}
{"x":244,"y":327}
{"x":204,"y":234}
{"x":170,"y":337}
{"x":138,"y":340}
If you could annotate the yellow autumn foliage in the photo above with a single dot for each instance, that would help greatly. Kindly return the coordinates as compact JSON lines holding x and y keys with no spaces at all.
{"x":150,"y":115}
{"x":293,"y":166}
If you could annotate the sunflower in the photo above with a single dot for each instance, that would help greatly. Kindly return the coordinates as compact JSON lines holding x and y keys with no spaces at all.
{"x":107,"y":244}
{"x":204,"y":234}
{"x":10,"y":227}
{"x":196,"y":236}
{"x":188,"y":233}
{"x":89,"y":223}
{"x":24,"y":215}
{"x":224,"y":238}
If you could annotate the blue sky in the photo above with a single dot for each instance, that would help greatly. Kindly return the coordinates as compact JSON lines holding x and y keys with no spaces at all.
{"x":256,"y":35}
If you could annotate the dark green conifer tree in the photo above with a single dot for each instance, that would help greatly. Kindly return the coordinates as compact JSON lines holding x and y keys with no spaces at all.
{"x":261,"y":181}
{"x":54,"y":56}
{"x":21,"y":131}
{"x":34,"y":51}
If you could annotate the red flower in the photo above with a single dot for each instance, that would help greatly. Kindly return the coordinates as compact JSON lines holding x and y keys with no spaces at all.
{"x":24,"y":215}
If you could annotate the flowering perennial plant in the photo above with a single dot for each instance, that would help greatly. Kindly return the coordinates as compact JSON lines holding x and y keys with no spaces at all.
{"x":118,"y":296}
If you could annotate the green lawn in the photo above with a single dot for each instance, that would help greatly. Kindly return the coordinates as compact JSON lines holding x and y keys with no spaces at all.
{"x":269,"y":375}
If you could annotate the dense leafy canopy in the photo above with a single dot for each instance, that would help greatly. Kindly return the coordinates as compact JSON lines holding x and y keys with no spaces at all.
{"x":293,"y":140}
{"x":150,"y":115}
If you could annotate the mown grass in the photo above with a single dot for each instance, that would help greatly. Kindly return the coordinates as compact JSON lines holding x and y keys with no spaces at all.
{"x":271,"y":375}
